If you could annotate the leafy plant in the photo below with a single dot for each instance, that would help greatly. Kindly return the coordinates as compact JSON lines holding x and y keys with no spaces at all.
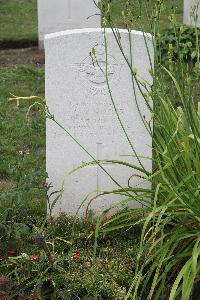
{"x":53,"y":267}
{"x":179,"y":43}
{"x":40,"y":273}
{"x":168,"y":260}
{"x":11,"y":230}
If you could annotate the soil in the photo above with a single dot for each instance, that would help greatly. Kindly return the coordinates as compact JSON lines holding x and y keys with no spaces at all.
{"x":14,"y":57}
{"x":196,"y":292}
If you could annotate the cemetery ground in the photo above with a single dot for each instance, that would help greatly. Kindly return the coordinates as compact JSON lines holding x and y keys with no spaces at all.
{"x":63,"y":251}
{"x":22,"y":187}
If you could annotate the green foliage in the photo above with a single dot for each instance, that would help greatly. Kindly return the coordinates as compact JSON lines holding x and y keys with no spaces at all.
{"x":11,"y":231}
{"x":170,"y":235}
{"x":52,"y":265}
{"x":179,"y":42}
{"x":140,"y":14}
{"x":168,"y":260}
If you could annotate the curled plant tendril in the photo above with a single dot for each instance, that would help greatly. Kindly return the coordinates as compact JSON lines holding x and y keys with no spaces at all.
{"x":41,"y":103}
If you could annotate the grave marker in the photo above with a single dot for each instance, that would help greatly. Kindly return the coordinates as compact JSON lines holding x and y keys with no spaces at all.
{"x":192,"y":12}
{"x":77,"y":95}
{"x":59,"y":15}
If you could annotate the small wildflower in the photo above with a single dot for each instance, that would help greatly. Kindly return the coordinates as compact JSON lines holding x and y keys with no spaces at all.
{"x":75,"y":248}
{"x":40,"y":240}
{"x":24,"y":255}
{"x":24,"y":152}
{"x":5,"y":284}
{"x":49,"y":258}
{"x":12,"y":252}
{"x":22,"y":295}
{"x":35,"y":257}
{"x":76,"y":255}
{"x":68,"y":245}
{"x":22,"y":270}
{"x":18,"y":99}
{"x":46,"y":185}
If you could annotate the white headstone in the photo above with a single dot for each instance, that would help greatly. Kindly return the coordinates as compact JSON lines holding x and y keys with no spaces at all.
{"x":58,"y":15}
{"x":192,"y":12}
{"x":78,"y":97}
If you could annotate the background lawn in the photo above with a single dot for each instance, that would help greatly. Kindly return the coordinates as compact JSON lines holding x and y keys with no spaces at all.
{"x":22,"y":145}
{"x":18,"y":20}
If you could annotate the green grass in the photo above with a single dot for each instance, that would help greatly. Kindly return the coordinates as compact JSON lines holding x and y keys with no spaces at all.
{"x":22,"y":146}
{"x":18,"y":20}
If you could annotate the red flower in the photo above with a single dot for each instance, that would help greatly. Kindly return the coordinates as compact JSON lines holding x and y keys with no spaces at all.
{"x":12,"y":252}
{"x":35,"y":257}
{"x":76,"y":255}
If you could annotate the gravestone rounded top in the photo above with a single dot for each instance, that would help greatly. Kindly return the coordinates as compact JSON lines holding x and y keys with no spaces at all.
{"x":95,"y":30}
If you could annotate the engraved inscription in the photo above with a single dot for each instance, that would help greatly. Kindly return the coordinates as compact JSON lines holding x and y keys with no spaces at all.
{"x":95,"y":70}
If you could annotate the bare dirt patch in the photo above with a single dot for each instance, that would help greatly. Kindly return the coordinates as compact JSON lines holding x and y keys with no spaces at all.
{"x":6,"y":185}
{"x":13,"y":57}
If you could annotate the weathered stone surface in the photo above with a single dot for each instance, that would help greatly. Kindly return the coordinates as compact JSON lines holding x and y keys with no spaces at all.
{"x":58,"y":15}
{"x":192,"y":12}
{"x":77,"y":95}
